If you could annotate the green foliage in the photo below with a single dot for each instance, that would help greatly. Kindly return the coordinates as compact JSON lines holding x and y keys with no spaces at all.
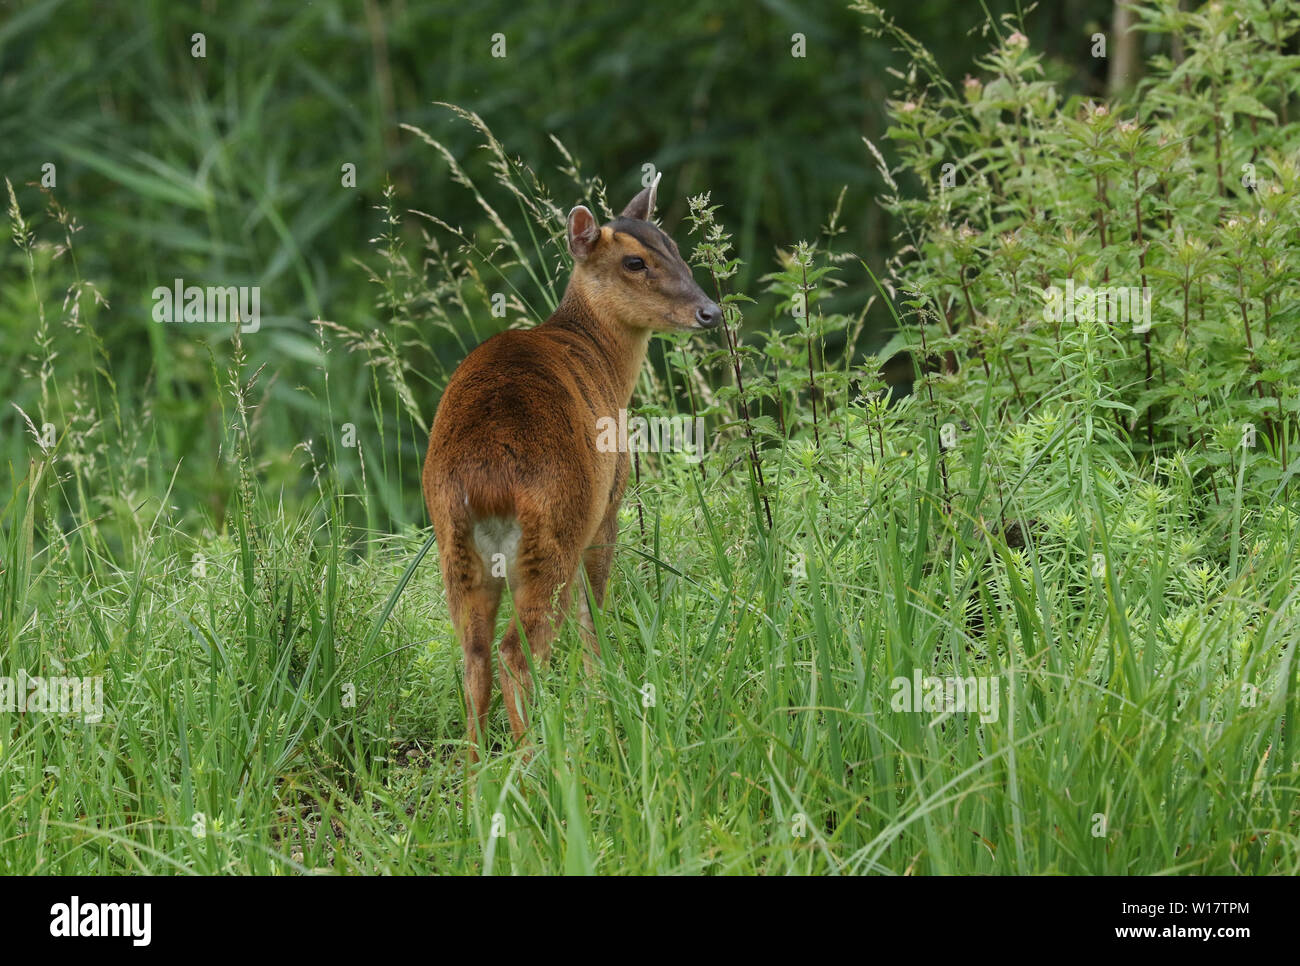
{"x":1184,"y":196}
{"x":1061,"y":509}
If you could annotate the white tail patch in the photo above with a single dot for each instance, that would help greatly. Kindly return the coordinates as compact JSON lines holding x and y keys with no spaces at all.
{"x":497,"y":542}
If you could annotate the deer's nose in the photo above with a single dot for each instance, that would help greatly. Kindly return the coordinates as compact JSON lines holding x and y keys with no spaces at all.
{"x":708,"y":315}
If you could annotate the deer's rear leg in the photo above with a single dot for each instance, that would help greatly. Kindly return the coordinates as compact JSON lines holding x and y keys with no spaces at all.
{"x":476,"y":643}
{"x":545,"y":584}
{"x":472,"y":601}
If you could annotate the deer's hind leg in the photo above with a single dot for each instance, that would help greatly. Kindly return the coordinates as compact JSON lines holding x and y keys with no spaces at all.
{"x":472,"y":600}
{"x":542,"y":583}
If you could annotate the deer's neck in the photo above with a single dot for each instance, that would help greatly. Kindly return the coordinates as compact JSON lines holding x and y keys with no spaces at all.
{"x":619,"y":350}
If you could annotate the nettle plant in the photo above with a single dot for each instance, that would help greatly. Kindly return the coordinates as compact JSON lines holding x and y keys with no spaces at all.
{"x":1125,"y":265}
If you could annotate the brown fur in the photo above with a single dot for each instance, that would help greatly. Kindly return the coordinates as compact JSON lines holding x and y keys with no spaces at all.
{"x":514,"y":439}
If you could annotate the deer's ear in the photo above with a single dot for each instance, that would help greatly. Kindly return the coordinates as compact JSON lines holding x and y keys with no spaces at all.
{"x":583,"y":232}
{"x":642,"y":207}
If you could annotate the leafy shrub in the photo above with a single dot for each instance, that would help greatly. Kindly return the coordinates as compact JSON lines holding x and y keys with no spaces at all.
{"x":1183,"y":195}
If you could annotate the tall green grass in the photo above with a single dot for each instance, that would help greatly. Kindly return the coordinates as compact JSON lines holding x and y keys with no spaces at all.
{"x":282,"y":691}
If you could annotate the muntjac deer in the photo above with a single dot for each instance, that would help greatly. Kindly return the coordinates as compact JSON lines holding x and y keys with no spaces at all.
{"x":516,"y":485}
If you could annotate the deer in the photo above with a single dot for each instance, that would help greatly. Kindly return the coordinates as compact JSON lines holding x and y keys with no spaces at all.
{"x":519,"y":491}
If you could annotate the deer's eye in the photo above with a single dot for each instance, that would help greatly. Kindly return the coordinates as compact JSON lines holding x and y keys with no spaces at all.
{"x":634,"y":264}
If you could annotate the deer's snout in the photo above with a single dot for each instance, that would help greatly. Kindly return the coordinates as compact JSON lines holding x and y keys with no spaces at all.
{"x":708,"y":315}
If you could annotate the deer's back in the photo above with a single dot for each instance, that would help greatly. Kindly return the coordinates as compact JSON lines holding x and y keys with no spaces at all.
{"x":519,"y":415}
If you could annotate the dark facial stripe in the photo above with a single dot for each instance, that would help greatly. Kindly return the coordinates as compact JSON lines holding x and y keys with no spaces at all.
{"x":647,"y":234}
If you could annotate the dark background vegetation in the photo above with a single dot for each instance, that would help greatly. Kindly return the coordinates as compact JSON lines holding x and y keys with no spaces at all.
{"x":226,"y":170}
{"x":180,"y":163}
